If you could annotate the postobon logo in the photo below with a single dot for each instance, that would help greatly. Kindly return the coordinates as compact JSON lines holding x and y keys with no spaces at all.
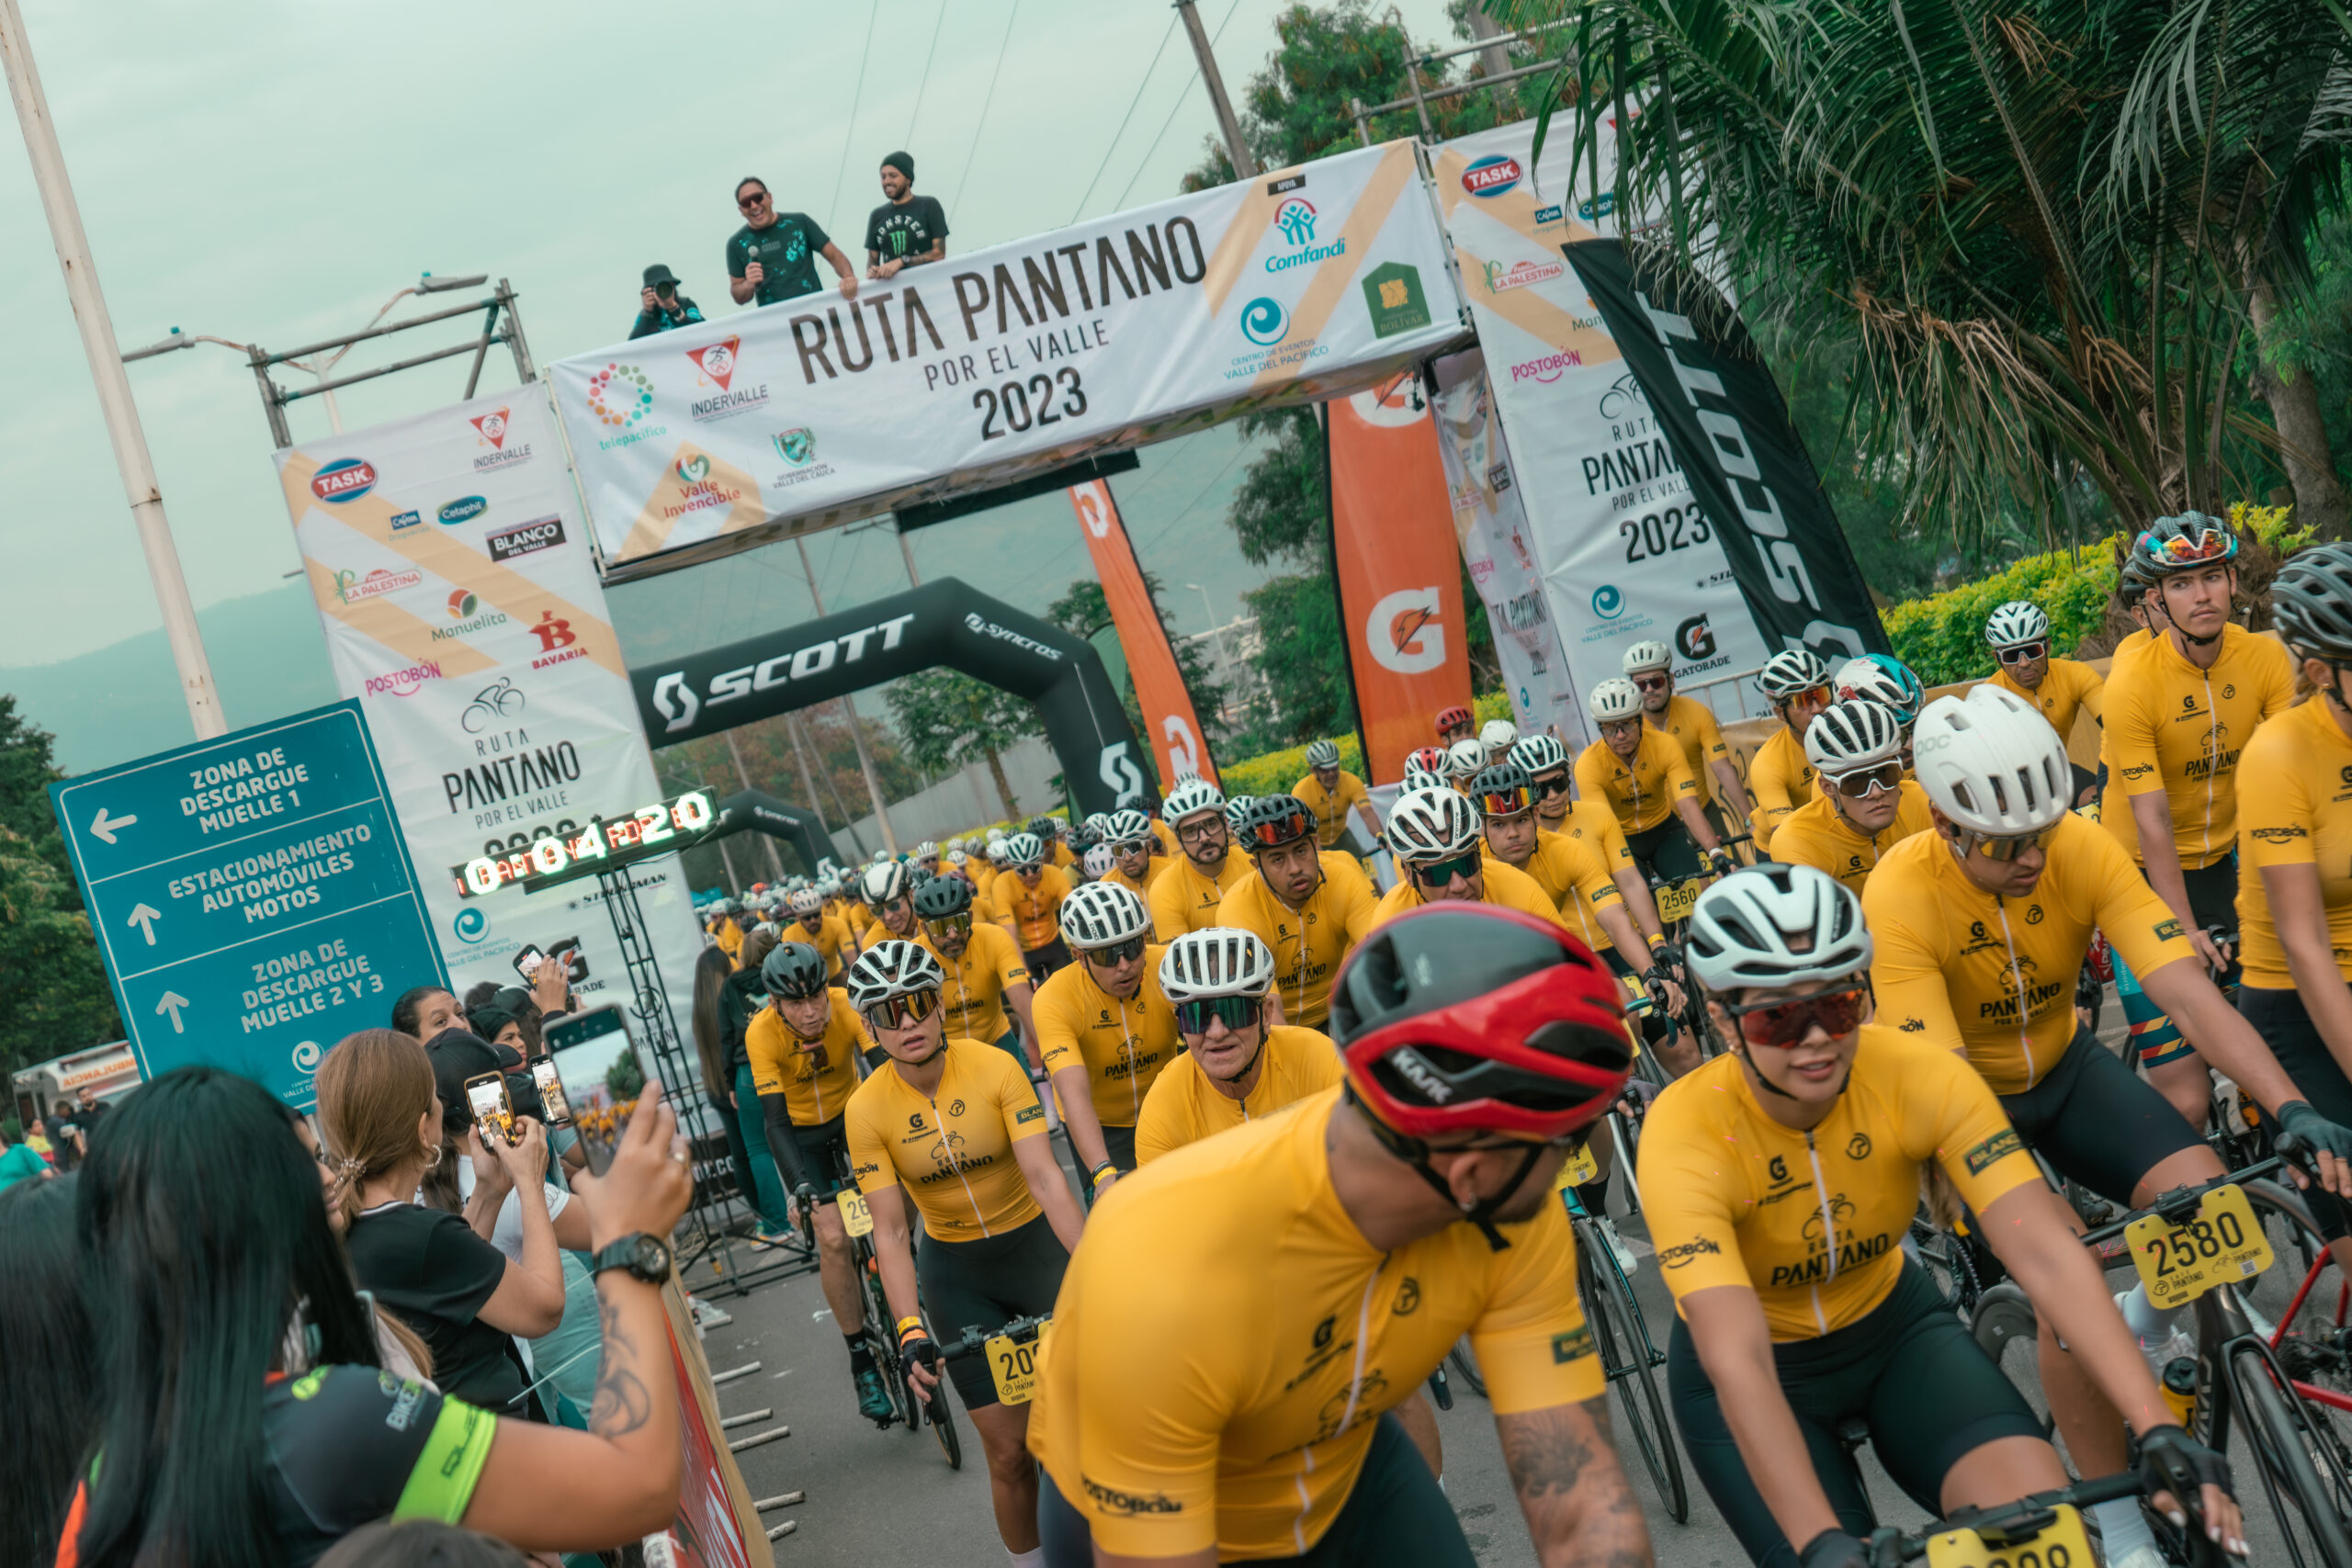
{"x":1403,"y":631}
{"x":1119,"y":772}
{"x":306,"y":1055}
{"x":675,"y":701}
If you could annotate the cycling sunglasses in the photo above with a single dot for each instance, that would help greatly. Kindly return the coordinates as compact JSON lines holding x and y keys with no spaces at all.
{"x":2002,"y":848}
{"x":1652,"y":682}
{"x":1131,"y":847}
{"x":2023,"y":653}
{"x":1116,"y":953}
{"x":954,"y":925}
{"x":1810,"y":697}
{"x":1437,"y":874}
{"x":2208,"y":545}
{"x":1545,"y":789}
{"x":1236,"y":1012}
{"x":1201,"y":832}
{"x":1857,"y":784}
{"x":1505,"y":802}
{"x":1616,"y":726}
{"x":1786,"y":1024}
{"x":903,"y":1013}
{"x":1280,"y":830}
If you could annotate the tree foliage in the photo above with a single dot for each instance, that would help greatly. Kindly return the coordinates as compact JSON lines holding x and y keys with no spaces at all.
{"x":1084,"y":610}
{"x":948,"y":718}
{"x":54,"y":992}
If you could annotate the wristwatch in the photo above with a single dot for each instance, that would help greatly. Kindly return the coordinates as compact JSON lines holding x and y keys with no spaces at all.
{"x":644,"y":1256}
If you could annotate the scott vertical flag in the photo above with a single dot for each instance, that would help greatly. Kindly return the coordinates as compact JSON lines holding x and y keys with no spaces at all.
{"x":1151,"y":663}
{"x":1400,"y":572}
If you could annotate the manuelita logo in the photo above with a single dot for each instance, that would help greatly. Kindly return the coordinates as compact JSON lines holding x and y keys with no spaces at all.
{"x":1295,"y":219}
{"x":1264,"y":322}
{"x":346,"y":479}
{"x":353,"y":588}
{"x":1491,"y":175}
{"x":1501,"y":279}
{"x":403,"y":683}
{"x":461,"y":604}
{"x":620,"y":395}
{"x":717,"y":362}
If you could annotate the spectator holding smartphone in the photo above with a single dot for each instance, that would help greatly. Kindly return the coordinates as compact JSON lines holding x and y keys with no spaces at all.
{"x":907,"y":229}
{"x":773,"y":257}
{"x":660,"y":308}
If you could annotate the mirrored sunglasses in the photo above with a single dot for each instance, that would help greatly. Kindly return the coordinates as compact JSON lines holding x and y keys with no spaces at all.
{"x":1786,"y":1024}
{"x":2006,"y":849}
{"x":2023,"y":653}
{"x":1437,"y":874}
{"x":1236,"y":1012}
{"x":1551,"y":785}
{"x":1652,"y":682}
{"x":1506,"y":801}
{"x":2206,"y":544}
{"x":1862,"y":782}
{"x":903,"y":1013}
{"x":954,"y":925}
{"x":1118,"y":953}
{"x":1267,"y":835}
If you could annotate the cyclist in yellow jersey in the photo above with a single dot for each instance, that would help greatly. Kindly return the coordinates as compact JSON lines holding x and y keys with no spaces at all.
{"x":2018,"y":635}
{"x":885,"y":893}
{"x":1796,"y":683}
{"x":1031,"y":894}
{"x":952,"y":1130}
{"x":1186,"y":895}
{"x":1105,"y":1029}
{"x":1551,"y":780}
{"x":1127,"y":835}
{"x":1642,"y":775}
{"x":1867,"y":805}
{"x":1436,"y":838}
{"x":725,"y":932}
{"x":803,"y":1047}
{"x":1781,"y":1180}
{"x":1331,"y":792}
{"x":1048,"y":831}
{"x":1237,"y":1064}
{"x":984,"y":979}
{"x":1341,"y":1248}
{"x":1650,"y":667}
{"x":1309,"y":906}
{"x":828,"y":934}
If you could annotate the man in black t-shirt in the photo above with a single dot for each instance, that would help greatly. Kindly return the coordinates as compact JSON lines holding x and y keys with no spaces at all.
{"x":773,"y":257}
{"x":907,"y":229}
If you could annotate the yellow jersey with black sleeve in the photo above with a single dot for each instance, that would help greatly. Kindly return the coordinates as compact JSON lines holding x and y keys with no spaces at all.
{"x":1813,"y":1222}
{"x":1140,"y":889}
{"x":973,"y":996}
{"x":1814,"y":835}
{"x":1035,"y":912}
{"x":2181,"y":729}
{"x":1779,"y":780}
{"x":1955,"y":964}
{"x":1183,"y":898}
{"x":1250,"y":1440}
{"x":1331,"y":810}
{"x":2068,"y":689}
{"x":2299,"y":814}
{"x":1183,"y":1107}
{"x":1572,"y":876}
{"x":815,"y":1080}
{"x":1123,"y":1044}
{"x":829,"y":938}
{"x":953,"y":1149}
{"x":1692,"y":724}
{"x":1641,"y":790}
{"x":1309,"y":942}
{"x":1505,"y":885}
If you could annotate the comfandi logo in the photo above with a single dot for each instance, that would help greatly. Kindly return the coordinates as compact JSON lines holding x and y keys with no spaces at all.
{"x":1608,"y":601}
{"x":715,"y":362}
{"x":1295,"y":219}
{"x":1264,"y":322}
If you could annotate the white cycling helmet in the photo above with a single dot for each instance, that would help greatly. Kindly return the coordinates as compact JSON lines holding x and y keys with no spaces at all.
{"x":1097,"y":863}
{"x":1498,"y":736}
{"x":927,"y":850}
{"x":956,"y":858}
{"x":1854,"y":734}
{"x":1464,"y":760}
{"x":997,"y":855}
{"x":1096,"y":821}
{"x":1774,"y":926}
{"x":1614,"y":701}
{"x":1192,"y":796}
{"x":1793,"y":670}
{"x":1991,"y":763}
{"x":1024,"y":849}
{"x":997,"y":835}
{"x":1540,"y":753}
{"x":883,"y":857}
{"x":1869,"y":678}
{"x":1235,"y":805}
{"x":1220,"y":960}
{"x":1102,"y":914}
{"x":1322,"y":754}
{"x":1644,"y":657}
{"x":890,"y":970}
{"x":2016,"y":622}
{"x":1126,"y":827}
{"x":1432,"y":825}
{"x":1418,"y":776}
{"x":806,"y":901}
{"x":885,"y":881}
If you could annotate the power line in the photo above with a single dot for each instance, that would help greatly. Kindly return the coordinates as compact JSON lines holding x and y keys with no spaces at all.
{"x":985,"y":99}
{"x":1179,"y":103}
{"x":936,"y":23}
{"x":849,"y":131}
{"x":1124,"y":119}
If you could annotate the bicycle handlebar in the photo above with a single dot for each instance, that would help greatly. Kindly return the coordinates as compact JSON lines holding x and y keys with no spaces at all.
{"x":974,"y":1338}
{"x":2008,"y":1522}
{"x":2181,"y":1201}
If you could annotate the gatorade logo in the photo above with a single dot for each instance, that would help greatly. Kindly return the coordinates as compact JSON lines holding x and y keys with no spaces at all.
{"x":1403,"y":631}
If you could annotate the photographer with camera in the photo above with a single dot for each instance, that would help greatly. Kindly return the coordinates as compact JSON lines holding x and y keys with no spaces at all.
{"x":662,"y":308}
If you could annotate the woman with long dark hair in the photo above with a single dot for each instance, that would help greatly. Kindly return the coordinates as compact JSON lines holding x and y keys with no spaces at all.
{"x":51,"y":1364}
{"x":243,"y":1422}
{"x":726,"y":997}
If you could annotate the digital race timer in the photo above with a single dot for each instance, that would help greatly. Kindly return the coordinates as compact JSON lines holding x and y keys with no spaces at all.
{"x":605,"y":845}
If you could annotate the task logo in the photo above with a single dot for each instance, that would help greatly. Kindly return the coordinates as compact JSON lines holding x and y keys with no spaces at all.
{"x":1491,"y":175}
{"x":346,"y":479}
{"x":715,"y":362}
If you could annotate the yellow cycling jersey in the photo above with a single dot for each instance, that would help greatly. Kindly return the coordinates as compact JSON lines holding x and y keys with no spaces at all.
{"x":815,"y":1080}
{"x":729,"y":940}
{"x":1572,"y":876}
{"x":1813,"y":1222}
{"x":829,"y":938}
{"x":2300,"y":814}
{"x":1779,"y":781}
{"x":2180,"y":729}
{"x":2068,"y":689}
{"x":1140,"y":889}
{"x":1166,"y":835}
{"x":1309,"y":942}
{"x":1955,"y":964}
{"x":2114,"y":807}
{"x":1172,"y":1440}
{"x":953,"y":1149}
{"x":1592,"y":822}
{"x":973,"y":998}
{"x":1505,"y":885}
{"x":1036,"y":913}
{"x":1814,"y":835}
{"x":1692,"y":724}
{"x":1332,"y":810}
{"x":861,"y":919}
{"x":1182,"y":899}
{"x":1183,"y":1107}
{"x":1640,"y":792}
{"x":1123,"y":1044}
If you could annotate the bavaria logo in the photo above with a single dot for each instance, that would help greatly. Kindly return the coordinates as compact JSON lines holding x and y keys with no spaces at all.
{"x":1491,"y":175}
{"x":1609,"y":601}
{"x":1264,"y":322}
{"x":463,"y":508}
{"x":346,"y":479}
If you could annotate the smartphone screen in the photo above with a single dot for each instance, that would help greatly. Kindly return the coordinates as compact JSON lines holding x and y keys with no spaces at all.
{"x":600,"y":1074}
{"x":492,"y":1113}
{"x":551,"y":1101}
{"x":527,"y":962}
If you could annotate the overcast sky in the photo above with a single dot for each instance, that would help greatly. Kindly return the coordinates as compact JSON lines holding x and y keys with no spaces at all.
{"x":272,"y":172}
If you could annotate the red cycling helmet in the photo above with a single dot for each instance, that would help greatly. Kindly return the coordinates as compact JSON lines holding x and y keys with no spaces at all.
{"x":1430,"y":757}
{"x":1467,"y":1018}
{"x":1447,"y":718}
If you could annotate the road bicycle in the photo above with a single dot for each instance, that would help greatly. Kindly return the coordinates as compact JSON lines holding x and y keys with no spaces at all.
{"x":2044,"y":1530}
{"x":907,"y":1407}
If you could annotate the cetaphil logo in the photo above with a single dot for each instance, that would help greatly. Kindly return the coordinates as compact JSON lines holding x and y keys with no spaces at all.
{"x":352,"y":587}
{"x":1264,"y":322}
{"x":620,"y":395}
{"x":403,"y":683}
{"x":462,"y":603}
{"x":1403,"y":631}
{"x":346,"y":479}
{"x":470,"y":925}
{"x":1694,"y":639}
{"x":1295,"y":219}
{"x":796,"y":447}
{"x":1519,"y":274}
{"x":717,"y":362}
{"x":1608,"y":601}
{"x":694,"y":467}
{"x":675,"y":702}
{"x":491,"y":428}
{"x":1491,"y":175}
{"x":464,"y":509}
{"x":1600,"y":206}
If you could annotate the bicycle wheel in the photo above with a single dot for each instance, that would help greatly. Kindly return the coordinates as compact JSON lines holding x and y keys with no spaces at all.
{"x":2303,"y":1294}
{"x":943,"y":1426}
{"x":1622,"y":1337}
{"x":2004,"y":1326}
{"x":2307,"y":1509}
{"x":1466,"y":1366}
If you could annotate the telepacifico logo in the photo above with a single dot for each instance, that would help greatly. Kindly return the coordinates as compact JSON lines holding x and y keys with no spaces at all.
{"x":796,"y":447}
{"x":1501,"y":279}
{"x":1264,"y":322}
{"x":352,"y":587}
{"x":1491,"y":175}
{"x":1296,"y":218}
{"x":346,"y":479}
{"x":403,"y":683}
{"x":463,"y":509}
{"x":490,"y":430}
{"x":1609,"y":601}
{"x":618,"y":397}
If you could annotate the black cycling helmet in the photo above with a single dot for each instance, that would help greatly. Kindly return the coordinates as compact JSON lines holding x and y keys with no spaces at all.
{"x":918,"y":874}
{"x":795,"y":970}
{"x":1047,"y":829}
{"x":1269,"y":821}
{"x":2133,"y":581}
{"x":2311,"y":601}
{"x":943,"y":898}
{"x":1502,"y":789}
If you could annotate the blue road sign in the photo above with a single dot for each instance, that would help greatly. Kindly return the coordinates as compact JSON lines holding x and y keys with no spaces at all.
{"x":252,"y":897}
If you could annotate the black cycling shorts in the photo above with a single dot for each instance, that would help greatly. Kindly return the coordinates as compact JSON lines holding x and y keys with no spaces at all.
{"x":2099,"y":1122}
{"x":986,"y":1284}
{"x":1910,"y":1368}
{"x":821,"y":1153}
{"x":1666,"y":850}
{"x":1041,"y":962}
{"x":1396,"y":1517}
{"x":2213,"y":901}
{"x":1119,"y":1143}
{"x":2286,"y":1026}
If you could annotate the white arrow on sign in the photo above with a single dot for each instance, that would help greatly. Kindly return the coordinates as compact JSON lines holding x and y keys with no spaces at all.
{"x":104,"y":824}
{"x":144,"y":918}
{"x":171,"y":1003}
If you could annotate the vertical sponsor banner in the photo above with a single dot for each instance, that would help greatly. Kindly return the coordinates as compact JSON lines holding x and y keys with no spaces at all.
{"x":462,"y":609}
{"x":1490,"y":521}
{"x":1626,"y":551}
{"x":1723,"y":416}
{"x":1400,"y":578}
{"x":1175,"y":729}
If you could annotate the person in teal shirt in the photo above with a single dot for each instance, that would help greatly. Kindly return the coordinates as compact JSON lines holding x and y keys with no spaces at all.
{"x":19,"y":1163}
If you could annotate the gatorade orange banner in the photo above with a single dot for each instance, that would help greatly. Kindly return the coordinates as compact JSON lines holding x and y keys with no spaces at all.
{"x":1167,"y":715}
{"x":1400,"y":575}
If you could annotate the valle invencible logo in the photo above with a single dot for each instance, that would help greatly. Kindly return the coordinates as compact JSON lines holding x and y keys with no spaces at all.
{"x":717,"y":362}
{"x":1491,"y":175}
{"x":346,"y":479}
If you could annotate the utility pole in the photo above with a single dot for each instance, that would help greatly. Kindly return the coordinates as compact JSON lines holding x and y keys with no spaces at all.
{"x":1495,"y":55}
{"x":735,"y":749}
{"x":1244,"y":167}
{"x":130,"y":455}
{"x":801,"y":745}
{"x":907,"y":554}
{"x":856,"y":734}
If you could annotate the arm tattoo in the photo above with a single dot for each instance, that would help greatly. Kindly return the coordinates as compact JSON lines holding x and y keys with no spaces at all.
{"x":1545,"y":1452}
{"x":1563,"y":1464}
{"x":622,"y":1404}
